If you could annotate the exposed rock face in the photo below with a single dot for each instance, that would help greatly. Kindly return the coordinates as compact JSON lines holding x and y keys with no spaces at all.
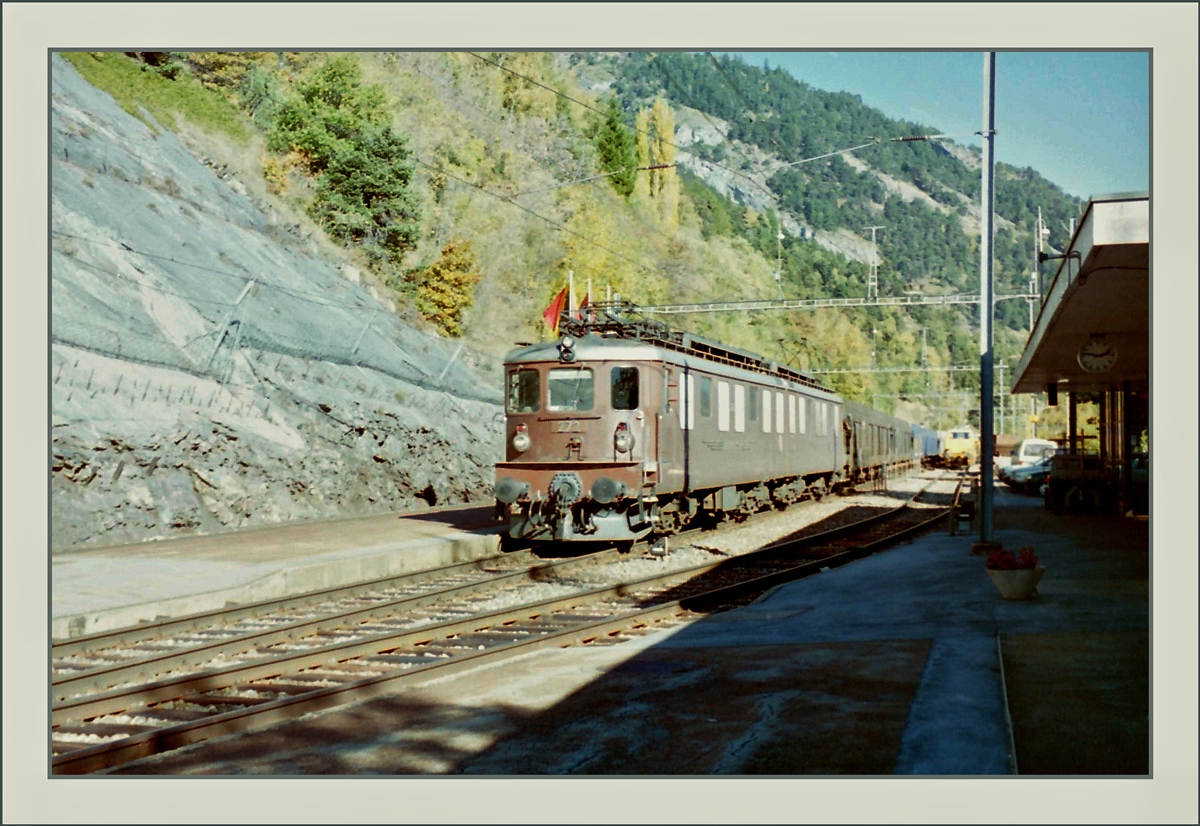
{"x":212,"y":369}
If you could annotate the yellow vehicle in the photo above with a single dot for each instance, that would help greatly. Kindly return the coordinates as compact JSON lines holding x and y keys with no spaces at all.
{"x":960,"y":446}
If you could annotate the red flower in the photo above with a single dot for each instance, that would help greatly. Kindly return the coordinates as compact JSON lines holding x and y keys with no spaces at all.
{"x":1022,"y":559}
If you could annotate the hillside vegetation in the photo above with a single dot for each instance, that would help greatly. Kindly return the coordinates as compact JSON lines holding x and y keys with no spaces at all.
{"x":467,"y":186}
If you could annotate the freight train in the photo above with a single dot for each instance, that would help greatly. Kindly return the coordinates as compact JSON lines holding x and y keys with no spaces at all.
{"x":625,"y":428}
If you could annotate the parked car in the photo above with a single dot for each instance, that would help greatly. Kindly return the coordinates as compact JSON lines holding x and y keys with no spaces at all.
{"x":1026,"y":453}
{"x":1029,"y":478}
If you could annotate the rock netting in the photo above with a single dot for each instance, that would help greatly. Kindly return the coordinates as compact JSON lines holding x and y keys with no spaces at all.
{"x":212,"y":368}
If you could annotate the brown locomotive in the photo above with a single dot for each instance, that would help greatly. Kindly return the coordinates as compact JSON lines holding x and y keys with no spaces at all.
{"x":625,"y":428}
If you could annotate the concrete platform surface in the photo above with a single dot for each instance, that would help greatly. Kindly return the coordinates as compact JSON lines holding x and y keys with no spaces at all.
{"x":97,"y":589}
{"x":906,"y":662}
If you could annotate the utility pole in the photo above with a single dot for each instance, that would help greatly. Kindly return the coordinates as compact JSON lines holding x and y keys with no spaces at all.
{"x":924,"y":357}
{"x":779,"y":262}
{"x":1035,"y":280}
{"x":987,"y":434}
{"x":873,"y":278}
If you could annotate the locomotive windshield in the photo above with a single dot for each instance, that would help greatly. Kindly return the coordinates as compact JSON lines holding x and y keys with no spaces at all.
{"x":523,"y":391}
{"x":570,"y":389}
{"x":624,"y":388}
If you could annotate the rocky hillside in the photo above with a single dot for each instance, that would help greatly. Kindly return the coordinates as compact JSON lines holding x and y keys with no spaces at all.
{"x":215,"y":364}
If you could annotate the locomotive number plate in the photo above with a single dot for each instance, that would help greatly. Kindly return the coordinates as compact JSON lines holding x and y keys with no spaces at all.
{"x":568,"y":427}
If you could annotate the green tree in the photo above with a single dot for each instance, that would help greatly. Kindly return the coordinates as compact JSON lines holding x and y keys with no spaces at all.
{"x":341,"y":128}
{"x":614,"y":144}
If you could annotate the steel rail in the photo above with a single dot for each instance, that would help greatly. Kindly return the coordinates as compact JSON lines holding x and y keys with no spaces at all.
{"x":148,"y":631}
{"x":110,"y":754}
{"x":104,"y":756}
{"x":110,"y":675}
{"x":729,"y":593}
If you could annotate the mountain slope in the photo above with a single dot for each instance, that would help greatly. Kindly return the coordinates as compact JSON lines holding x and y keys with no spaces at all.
{"x":212,"y":369}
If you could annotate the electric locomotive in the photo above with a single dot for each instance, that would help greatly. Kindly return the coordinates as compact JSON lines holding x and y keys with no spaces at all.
{"x":623,"y":428}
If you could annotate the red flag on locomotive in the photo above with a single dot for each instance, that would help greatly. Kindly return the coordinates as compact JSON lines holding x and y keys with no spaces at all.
{"x":584,"y":306}
{"x":554,"y":311}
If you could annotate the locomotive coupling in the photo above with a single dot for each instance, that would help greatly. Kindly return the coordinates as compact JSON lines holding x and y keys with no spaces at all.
{"x":566,"y":488}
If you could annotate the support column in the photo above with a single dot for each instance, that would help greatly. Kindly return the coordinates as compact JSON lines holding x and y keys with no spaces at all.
{"x":1102,"y":431}
{"x":987,"y":427}
{"x":1072,"y":422}
{"x":1126,"y":448}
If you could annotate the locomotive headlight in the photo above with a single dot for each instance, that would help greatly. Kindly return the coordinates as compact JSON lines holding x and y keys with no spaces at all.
{"x":566,"y":349}
{"x":521,"y":440}
{"x":623,"y":439}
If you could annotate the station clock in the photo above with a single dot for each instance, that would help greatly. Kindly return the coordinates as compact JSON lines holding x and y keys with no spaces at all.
{"x":1097,"y":355}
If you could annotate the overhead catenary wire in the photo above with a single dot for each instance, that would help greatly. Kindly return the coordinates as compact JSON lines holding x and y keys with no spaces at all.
{"x":738,"y":92}
{"x":593,"y":178}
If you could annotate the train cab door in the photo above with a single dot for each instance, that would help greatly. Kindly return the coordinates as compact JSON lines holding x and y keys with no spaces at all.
{"x":672,"y":467}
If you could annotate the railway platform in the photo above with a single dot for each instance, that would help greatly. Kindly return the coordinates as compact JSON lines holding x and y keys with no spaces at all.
{"x":97,"y":589}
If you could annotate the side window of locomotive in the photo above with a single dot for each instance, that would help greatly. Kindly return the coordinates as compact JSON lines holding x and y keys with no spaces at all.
{"x":791,"y":413}
{"x":523,"y":395}
{"x":803,"y":415}
{"x":723,"y":406}
{"x":766,"y":410}
{"x":705,"y":397}
{"x":625,"y":388}
{"x":570,"y":389}
{"x":739,"y":408}
{"x":687,"y":403}
{"x":752,"y":404}
{"x":778,"y":412}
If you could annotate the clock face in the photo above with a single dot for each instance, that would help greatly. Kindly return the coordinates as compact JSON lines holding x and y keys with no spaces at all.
{"x":1097,"y":355}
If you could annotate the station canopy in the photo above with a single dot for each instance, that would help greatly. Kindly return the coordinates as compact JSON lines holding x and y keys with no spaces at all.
{"x":1098,"y":304}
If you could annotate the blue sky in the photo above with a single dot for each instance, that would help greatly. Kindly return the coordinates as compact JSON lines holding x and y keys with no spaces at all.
{"x":1081,"y":119}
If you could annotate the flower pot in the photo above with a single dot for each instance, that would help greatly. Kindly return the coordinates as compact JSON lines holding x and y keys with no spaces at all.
{"x":1016,"y":584}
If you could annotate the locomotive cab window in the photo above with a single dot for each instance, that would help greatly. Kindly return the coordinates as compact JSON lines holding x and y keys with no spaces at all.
{"x":624,"y":388}
{"x":570,"y":389}
{"x":705,"y":397}
{"x":523,"y":391}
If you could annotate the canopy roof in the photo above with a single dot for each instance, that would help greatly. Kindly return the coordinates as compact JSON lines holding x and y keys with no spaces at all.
{"x":1101,"y":289}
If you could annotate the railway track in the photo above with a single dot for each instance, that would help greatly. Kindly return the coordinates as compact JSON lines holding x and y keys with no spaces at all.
{"x":135,"y":692}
